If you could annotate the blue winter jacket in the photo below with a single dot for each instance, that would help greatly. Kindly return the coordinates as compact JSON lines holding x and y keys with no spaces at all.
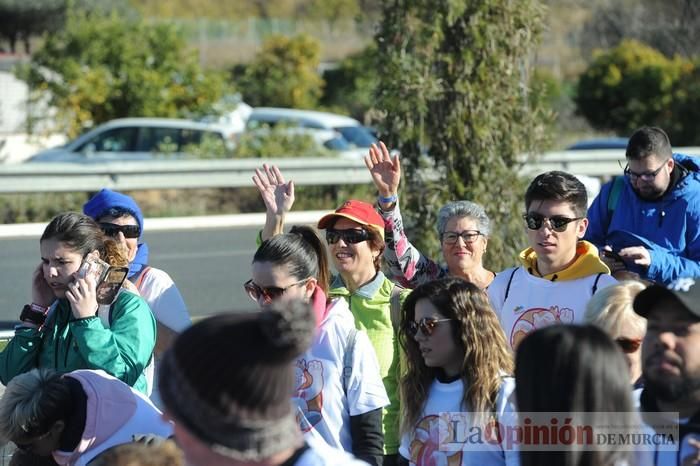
{"x":669,"y":227}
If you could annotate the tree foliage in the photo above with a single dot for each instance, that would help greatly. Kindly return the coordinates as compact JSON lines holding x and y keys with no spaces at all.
{"x":20,"y":20}
{"x":633,"y":85}
{"x":670,"y":26}
{"x":453,"y":86}
{"x":350,"y":86}
{"x":283,"y":74}
{"x":102,"y":67}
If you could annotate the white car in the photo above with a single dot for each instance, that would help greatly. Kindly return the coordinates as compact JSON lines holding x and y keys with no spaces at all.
{"x":352,"y":139}
{"x":134,"y":139}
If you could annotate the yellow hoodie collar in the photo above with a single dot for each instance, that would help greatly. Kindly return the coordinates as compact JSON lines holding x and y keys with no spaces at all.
{"x":586,"y":263}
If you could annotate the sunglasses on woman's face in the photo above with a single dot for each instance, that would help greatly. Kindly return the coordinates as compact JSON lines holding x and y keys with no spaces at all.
{"x":352,"y":236}
{"x":426,"y":325}
{"x":267,"y":293}
{"x":558,"y":223}
{"x":129,"y":231}
{"x":629,"y":345}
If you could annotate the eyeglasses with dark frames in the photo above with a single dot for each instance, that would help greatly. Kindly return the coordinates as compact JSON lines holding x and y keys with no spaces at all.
{"x":268,"y":293}
{"x":558,"y":223}
{"x":426,"y":325}
{"x":468,"y":236}
{"x":351,"y":236}
{"x":129,"y":231}
{"x":646,"y":176}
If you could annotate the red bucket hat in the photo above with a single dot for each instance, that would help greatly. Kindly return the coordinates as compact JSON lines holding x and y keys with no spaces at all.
{"x":357,"y":211}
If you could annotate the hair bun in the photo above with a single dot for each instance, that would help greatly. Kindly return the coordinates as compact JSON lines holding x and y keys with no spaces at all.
{"x":289,"y":328}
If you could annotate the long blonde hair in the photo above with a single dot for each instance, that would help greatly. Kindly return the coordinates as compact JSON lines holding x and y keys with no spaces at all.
{"x":475,"y":327}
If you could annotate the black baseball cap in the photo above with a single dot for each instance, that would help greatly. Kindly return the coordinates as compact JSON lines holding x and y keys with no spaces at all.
{"x":685,"y":290}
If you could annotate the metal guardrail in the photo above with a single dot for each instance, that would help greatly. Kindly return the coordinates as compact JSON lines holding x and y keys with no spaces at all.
{"x":178,"y":174}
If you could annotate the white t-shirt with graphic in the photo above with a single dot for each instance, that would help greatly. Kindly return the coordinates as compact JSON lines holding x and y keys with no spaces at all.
{"x":441,"y":435}
{"x":535,"y":302}
{"x":323,"y":409}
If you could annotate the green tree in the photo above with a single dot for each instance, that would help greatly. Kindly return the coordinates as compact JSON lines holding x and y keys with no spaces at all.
{"x":454,"y":89}
{"x":633,"y":85}
{"x":103,"y":67}
{"x":283,"y":74}
{"x":350,"y":87}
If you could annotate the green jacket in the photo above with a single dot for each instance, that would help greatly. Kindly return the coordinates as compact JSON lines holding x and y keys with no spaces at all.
{"x":371,"y":307}
{"x":66,"y":344}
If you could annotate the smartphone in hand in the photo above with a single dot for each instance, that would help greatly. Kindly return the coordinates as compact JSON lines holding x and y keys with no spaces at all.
{"x":613,"y":255}
{"x":108,"y":279}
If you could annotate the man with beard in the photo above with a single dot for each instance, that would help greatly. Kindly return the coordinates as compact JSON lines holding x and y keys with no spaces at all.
{"x":671,"y":362}
{"x":648,"y":222}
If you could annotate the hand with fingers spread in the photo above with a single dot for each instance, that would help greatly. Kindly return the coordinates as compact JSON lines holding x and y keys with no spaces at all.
{"x":277,"y":195}
{"x":82,"y":296}
{"x":385,"y":170}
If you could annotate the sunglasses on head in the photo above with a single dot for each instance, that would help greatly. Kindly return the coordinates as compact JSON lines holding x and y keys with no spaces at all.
{"x":426,"y":325}
{"x":267,"y":293}
{"x":629,"y":345}
{"x":558,"y":223}
{"x":352,"y":236}
{"x":129,"y":231}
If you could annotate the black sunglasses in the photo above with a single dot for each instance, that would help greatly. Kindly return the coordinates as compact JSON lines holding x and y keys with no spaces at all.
{"x":129,"y":231}
{"x":352,"y":236}
{"x":426,"y":325}
{"x":268,"y":293}
{"x":557,"y":223}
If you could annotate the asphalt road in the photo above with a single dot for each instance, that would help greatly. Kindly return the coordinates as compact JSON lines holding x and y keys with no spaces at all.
{"x":208,"y":266}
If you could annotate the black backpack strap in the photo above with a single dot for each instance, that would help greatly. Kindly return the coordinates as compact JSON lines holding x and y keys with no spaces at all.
{"x":595,"y":283}
{"x":510,"y":280}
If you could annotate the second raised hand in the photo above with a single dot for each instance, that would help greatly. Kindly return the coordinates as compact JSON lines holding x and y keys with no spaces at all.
{"x":277,"y":194}
{"x":385,"y":169}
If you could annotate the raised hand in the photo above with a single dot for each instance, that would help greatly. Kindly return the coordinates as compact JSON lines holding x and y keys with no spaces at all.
{"x":384,"y":168}
{"x":277,"y":194}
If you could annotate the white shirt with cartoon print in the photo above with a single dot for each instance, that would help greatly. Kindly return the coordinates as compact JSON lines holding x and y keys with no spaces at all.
{"x":323,"y":409}
{"x":535,"y":302}
{"x":443,"y":434}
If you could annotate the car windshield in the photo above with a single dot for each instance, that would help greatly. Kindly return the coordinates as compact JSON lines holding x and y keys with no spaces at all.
{"x":358,"y":136}
{"x":337,"y":144}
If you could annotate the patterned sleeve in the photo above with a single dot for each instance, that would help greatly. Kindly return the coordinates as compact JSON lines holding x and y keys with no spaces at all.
{"x":406,"y":263}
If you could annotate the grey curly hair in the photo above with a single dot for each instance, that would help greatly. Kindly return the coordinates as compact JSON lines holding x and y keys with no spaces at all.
{"x":464,"y":209}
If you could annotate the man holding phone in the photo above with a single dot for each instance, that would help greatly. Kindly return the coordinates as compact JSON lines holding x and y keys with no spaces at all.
{"x":649,"y":220}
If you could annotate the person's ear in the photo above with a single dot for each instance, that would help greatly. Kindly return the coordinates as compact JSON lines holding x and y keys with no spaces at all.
{"x":581,"y":228}
{"x":670,"y":164}
{"x":95,"y":253}
{"x":310,"y":287}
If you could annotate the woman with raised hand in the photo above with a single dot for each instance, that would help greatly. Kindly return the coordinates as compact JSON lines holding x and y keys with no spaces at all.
{"x":64,"y":328}
{"x":463,"y":228}
{"x":457,"y":363}
{"x":339,"y":392}
{"x":355,"y":240}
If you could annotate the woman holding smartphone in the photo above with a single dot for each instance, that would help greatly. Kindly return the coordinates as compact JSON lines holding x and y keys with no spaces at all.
{"x":61,"y":329}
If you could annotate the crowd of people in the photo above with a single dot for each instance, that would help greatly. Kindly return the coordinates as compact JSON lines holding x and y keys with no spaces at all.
{"x":585,"y":352}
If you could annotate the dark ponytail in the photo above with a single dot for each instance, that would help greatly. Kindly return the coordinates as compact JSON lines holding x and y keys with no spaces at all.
{"x":301,"y":251}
